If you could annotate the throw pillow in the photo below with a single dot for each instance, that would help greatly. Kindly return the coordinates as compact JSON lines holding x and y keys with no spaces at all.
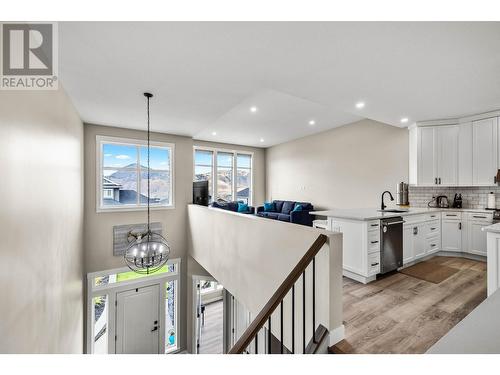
{"x":297,"y":207}
{"x":242,"y":207}
{"x":269,"y":207}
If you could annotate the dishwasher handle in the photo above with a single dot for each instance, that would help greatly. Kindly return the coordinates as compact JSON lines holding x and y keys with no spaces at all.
{"x":395,"y":222}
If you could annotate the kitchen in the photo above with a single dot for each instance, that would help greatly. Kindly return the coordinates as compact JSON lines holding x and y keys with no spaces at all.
{"x":451,"y":197}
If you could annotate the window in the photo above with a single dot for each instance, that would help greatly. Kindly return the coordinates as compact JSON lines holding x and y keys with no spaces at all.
{"x":203,"y":168}
{"x":232,"y":170}
{"x":123,"y":174}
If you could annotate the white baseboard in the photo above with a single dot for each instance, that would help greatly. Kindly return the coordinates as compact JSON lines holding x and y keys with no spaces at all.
{"x":337,"y":335}
{"x":358,"y":278}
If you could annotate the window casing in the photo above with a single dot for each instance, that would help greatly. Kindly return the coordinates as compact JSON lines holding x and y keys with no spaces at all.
{"x":122,"y":174}
{"x":233,"y":171}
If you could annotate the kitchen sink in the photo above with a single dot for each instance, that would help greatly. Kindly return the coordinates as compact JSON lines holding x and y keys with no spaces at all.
{"x":393,"y":210}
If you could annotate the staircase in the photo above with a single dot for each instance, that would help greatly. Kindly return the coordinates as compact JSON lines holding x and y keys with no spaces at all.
{"x":259,"y":337}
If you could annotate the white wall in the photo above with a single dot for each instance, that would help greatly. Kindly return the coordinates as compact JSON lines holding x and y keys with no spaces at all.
{"x":252,"y":256}
{"x":41,"y":195}
{"x":347,"y":167}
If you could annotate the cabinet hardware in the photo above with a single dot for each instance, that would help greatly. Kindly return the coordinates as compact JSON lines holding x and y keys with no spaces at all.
{"x":439,"y":180}
{"x":433,"y":215}
{"x":374,"y":241}
{"x":415,"y":230}
{"x":435,"y":181}
{"x":433,"y":228}
{"x":374,"y":225}
{"x":479,"y":217}
{"x":451,"y":215}
{"x":459,"y":226}
{"x":395,"y":222}
{"x":433,"y":244}
{"x":374,"y":264}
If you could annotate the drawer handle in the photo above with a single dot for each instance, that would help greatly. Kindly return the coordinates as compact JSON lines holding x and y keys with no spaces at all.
{"x":374,"y":225}
{"x":479,"y":217}
{"x":433,"y":245}
{"x":433,"y":228}
{"x":451,"y":215}
{"x":374,"y":241}
{"x":374,"y":264}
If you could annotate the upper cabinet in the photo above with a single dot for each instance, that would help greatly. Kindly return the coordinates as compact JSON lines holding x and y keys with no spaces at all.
{"x":484,"y":152}
{"x":463,"y":153}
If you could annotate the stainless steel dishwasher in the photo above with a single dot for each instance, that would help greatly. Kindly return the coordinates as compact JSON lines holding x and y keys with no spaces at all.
{"x":391,"y":244}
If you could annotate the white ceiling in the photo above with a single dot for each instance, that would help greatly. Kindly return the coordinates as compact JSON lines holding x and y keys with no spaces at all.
{"x":206,"y":76}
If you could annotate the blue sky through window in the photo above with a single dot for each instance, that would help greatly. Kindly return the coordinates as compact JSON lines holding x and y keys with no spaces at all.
{"x":119,"y":156}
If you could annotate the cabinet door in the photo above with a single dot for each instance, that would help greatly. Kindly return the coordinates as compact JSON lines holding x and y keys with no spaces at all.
{"x":426,"y":156}
{"x":419,"y":241}
{"x":447,"y":155}
{"x":465,"y":154}
{"x":484,"y":150}
{"x":408,"y":255}
{"x":477,"y":238}
{"x":451,"y":235}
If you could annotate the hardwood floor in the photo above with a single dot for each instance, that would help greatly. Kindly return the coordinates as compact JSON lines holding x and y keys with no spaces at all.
{"x":402,"y":314}
{"x":211,"y":333}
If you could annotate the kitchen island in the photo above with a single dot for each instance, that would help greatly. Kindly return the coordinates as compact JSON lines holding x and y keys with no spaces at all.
{"x":426,"y":232}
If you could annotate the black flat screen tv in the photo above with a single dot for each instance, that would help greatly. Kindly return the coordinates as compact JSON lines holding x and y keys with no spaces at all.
{"x":200,"y":193}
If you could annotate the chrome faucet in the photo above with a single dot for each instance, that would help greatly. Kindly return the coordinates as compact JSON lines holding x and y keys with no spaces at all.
{"x":383,"y":206}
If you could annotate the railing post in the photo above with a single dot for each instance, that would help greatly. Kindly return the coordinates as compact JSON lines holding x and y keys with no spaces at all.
{"x":269,"y":336}
{"x":304,"y":312}
{"x":293,"y":318}
{"x":314,"y":299}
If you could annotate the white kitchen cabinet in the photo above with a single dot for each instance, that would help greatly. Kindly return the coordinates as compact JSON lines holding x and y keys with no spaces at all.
{"x":408,"y":254}
{"x":476,"y":243}
{"x":437,"y":155}
{"x":465,"y":154}
{"x":485,"y":151}
{"x":451,"y":234}
{"x":419,"y":241}
{"x":426,"y":156}
{"x":447,"y":155}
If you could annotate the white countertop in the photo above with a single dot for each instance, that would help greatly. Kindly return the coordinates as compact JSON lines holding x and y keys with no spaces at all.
{"x":477,"y":333}
{"x":495,"y":228}
{"x":373,"y":214}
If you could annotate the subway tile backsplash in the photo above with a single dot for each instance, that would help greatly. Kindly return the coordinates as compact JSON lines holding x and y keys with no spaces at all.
{"x":472,"y":197}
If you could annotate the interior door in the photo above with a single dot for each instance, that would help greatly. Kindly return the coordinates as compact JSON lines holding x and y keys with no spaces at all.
{"x":138,"y":321}
{"x":447,"y":155}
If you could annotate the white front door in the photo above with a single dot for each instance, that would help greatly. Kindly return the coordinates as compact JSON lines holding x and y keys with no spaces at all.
{"x":138,"y":321}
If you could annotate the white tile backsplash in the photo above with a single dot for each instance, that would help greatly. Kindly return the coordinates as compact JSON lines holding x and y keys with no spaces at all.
{"x":472,"y":197}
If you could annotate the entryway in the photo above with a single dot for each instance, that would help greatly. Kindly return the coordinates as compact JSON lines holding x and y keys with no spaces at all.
{"x":130,"y":313}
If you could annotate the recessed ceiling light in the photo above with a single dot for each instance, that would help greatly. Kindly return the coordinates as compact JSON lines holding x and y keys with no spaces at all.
{"x":253,"y":109}
{"x":214,"y":133}
{"x":404,"y":120}
{"x":312,"y":122}
{"x":262,"y":140}
{"x":360,"y":105}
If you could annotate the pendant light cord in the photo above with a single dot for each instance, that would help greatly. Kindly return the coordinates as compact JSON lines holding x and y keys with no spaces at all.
{"x":149,"y":181}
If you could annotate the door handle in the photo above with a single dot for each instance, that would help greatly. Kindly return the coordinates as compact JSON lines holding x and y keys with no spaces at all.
{"x":154,"y":329}
{"x":459,"y":226}
{"x":435,"y":181}
{"x":439,"y":180}
{"x":415,"y":230}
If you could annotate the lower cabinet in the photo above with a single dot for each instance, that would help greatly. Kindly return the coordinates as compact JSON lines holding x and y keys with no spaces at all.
{"x":408,"y":255}
{"x":415,"y":241}
{"x":476,"y":236}
{"x":451,"y":238}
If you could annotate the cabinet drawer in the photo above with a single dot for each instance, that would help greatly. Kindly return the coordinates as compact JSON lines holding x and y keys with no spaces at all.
{"x":451,"y":216}
{"x":433,"y":228}
{"x":374,"y":263}
{"x":433,"y":244}
{"x":434,"y":216}
{"x":473,"y":216}
{"x":373,"y":241}
{"x":374,"y":225}
{"x":413,"y":219}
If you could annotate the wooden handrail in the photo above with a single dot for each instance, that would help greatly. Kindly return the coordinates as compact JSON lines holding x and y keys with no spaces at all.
{"x":278,"y":296}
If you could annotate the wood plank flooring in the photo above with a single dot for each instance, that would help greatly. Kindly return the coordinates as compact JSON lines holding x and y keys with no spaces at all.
{"x":402,"y":314}
{"x":211,"y":333}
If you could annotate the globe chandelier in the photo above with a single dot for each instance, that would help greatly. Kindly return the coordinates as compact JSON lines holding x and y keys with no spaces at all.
{"x":148,"y":251}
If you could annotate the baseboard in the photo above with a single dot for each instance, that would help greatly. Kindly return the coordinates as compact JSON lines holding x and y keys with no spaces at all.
{"x":337,"y":335}
{"x":358,"y":278}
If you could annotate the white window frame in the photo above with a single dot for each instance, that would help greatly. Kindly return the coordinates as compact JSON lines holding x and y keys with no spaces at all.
{"x":234,"y":172}
{"x":112,"y":289}
{"x":100,"y":140}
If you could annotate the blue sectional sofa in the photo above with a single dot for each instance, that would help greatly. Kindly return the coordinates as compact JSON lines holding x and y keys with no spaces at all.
{"x":232,"y":206}
{"x":287,"y":211}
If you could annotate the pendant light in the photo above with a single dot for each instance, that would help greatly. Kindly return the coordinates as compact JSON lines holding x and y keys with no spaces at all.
{"x":149,"y":251}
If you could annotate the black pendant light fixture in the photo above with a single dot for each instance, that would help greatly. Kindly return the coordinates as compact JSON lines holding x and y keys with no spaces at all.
{"x":149,"y":251}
